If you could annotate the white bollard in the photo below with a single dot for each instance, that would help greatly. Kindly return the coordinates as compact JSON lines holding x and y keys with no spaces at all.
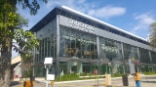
{"x":108,"y":79}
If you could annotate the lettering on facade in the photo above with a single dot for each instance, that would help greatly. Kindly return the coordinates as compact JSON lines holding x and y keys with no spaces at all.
{"x":109,"y":48}
{"x":81,"y":26}
{"x":79,"y":39}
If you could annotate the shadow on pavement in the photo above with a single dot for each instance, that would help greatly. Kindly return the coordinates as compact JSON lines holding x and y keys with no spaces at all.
{"x":14,"y":83}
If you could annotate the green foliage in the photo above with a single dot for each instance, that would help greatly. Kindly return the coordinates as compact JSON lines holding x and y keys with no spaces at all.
{"x":86,"y":74}
{"x":117,"y":75}
{"x":149,"y":73}
{"x":68,"y":77}
{"x":33,"y":5}
{"x":25,"y":42}
{"x":27,"y":74}
{"x":25,"y":39}
{"x":152,"y":36}
{"x":10,"y":20}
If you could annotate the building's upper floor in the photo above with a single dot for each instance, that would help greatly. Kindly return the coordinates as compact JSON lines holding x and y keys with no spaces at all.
{"x":70,"y":13}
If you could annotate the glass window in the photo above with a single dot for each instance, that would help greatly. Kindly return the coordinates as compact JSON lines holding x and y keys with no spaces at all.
{"x":101,"y":26}
{"x":153,"y":55}
{"x":77,"y":44}
{"x":144,"y":56}
{"x":110,"y":50}
{"x":130,"y":52}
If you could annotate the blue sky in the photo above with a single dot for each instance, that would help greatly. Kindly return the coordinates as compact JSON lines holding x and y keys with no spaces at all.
{"x":134,"y":16}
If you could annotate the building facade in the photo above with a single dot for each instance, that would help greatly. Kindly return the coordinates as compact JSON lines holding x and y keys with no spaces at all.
{"x":80,"y":44}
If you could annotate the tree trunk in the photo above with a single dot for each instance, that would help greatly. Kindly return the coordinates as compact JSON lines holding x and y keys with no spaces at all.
{"x":6,"y":64}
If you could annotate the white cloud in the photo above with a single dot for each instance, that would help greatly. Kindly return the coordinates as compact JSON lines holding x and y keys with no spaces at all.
{"x":107,"y":12}
{"x":79,"y":5}
{"x":143,"y":23}
{"x":70,"y":3}
{"x":81,"y":1}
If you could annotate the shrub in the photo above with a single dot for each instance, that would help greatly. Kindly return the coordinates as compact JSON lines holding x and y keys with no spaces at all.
{"x":117,"y":75}
{"x":27,"y":73}
{"x":67,"y":77}
{"x":149,"y":73}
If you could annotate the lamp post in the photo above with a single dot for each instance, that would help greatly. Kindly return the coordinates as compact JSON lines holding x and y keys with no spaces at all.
{"x":48,"y":63}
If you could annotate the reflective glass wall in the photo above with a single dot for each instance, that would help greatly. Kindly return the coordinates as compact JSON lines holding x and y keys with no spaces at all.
{"x":144,"y":56}
{"x":47,"y":48}
{"x":130,"y":52}
{"x":77,"y":44}
{"x":153,"y":55}
{"x":113,"y":56}
{"x":82,"y":52}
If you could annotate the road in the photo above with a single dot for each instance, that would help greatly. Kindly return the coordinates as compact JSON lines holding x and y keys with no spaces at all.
{"x":117,"y":82}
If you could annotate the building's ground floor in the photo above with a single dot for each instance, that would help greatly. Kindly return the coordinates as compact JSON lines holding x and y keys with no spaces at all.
{"x":78,"y":52}
{"x":87,"y":68}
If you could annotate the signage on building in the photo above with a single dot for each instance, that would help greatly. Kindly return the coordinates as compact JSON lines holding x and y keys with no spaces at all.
{"x":75,"y":24}
{"x":109,"y":48}
{"x":81,"y":26}
{"x":79,"y":39}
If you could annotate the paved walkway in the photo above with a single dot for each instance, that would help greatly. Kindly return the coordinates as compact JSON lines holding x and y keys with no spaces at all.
{"x":148,"y":81}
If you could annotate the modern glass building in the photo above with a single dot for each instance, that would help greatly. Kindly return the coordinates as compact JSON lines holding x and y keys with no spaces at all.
{"x":80,"y":43}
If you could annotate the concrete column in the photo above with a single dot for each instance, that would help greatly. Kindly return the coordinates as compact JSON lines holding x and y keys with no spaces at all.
{"x":57,"y":44}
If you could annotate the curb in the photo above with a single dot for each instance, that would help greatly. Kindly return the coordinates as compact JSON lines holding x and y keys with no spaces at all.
{"x":115,"y":78}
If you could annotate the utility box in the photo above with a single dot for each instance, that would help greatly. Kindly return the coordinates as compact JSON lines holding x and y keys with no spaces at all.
{"x":125,"y":80}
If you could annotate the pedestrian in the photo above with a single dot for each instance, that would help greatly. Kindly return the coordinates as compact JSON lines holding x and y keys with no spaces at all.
{"x":29,"y":83}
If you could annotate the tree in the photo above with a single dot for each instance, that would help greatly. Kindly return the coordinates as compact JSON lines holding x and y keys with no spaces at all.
{"x":9,"y":22}
{"x":25,"y":42}
{"x":152,"y":36}
{"x":33,"y":5}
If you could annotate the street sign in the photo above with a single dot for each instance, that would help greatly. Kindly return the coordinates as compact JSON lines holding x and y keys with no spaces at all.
{"x":50,"y":77}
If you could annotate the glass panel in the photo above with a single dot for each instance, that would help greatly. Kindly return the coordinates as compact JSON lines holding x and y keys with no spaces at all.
{"x":89,"y":68}
{"x":63,"y":68}
{"x":40,"y":70}
{"x":118,"y":69}
{"x":153,"y":55}
{"x":105,"y":69}
{"x":77,"y":67}
{"x":144,"y":56}
{"x":77,"y":44}
{"x":130,"y":52}
{"x":47,"y":48}
{"x":110,"y":51}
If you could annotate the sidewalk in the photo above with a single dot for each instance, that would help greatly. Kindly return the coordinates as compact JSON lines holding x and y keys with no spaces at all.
{"x":146,"y":81}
